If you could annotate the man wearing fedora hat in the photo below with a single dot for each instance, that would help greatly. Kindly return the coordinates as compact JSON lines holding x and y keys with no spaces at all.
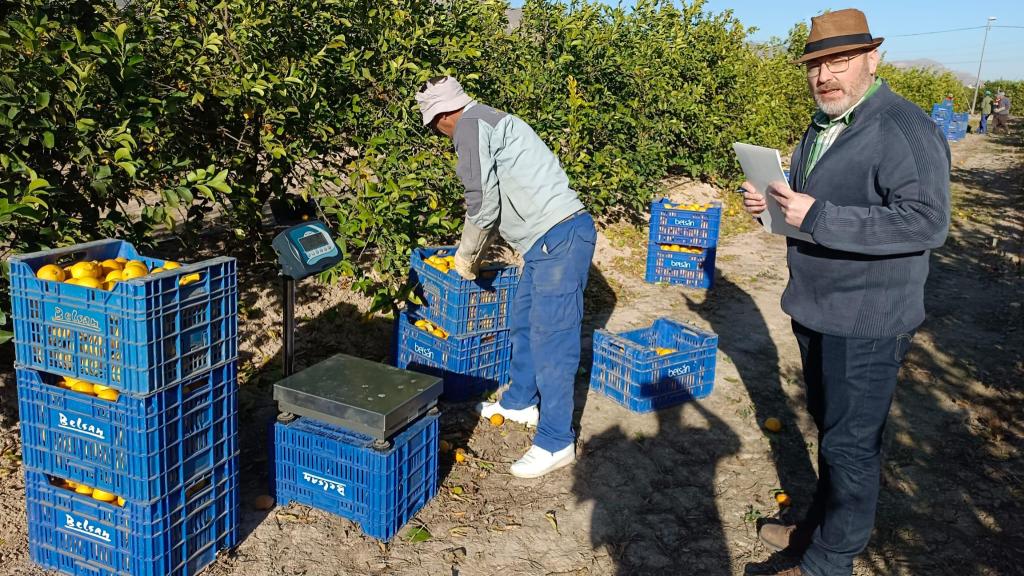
{"x":515,"y":185}
{"x":872,"y":171}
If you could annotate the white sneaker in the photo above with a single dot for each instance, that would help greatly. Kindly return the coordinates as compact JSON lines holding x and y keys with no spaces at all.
{"x":538,"y":461}
{"x":528,"y":416}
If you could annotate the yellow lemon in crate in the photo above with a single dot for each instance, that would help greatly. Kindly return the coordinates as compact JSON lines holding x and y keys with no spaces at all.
{"x":664,"y":351}
{"x":83,"y":387}
{"x":83,"y":489}
{"x":439,"y":333}
{"x":109,"y":395}
{"x":168,"y":265}
{"x":121,"y":260}
{"x":120,"y":501}
{"x":70,"y":485}
{"x":157,"y":270}
{"x":130,"y":272}
{"x":189,"y":279}
{"x":50,"y":272}
{"x":83,"y":269}
{"x":110,"y":265}
{"x":103,"y":496}
{"x":87,"y":282}
{"x":137,"y":264}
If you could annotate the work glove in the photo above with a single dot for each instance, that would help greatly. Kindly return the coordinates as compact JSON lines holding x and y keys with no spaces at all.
{"x":474,"y":244}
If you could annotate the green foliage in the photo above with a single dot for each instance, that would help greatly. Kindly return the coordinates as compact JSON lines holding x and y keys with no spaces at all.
{"x":161,"y":116}
{"x":925,"y":86}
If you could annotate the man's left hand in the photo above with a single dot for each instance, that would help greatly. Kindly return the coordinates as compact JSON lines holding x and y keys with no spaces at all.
{"x":794,"y":204}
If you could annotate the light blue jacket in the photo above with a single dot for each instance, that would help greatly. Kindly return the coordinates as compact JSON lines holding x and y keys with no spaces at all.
{"x":512,"y":178}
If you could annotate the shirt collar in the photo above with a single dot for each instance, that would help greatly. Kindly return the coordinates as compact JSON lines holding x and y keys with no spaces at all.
{"x":823,"y":121}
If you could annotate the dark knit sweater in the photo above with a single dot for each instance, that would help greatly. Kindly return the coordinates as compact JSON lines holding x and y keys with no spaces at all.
{"x":881,"y":203}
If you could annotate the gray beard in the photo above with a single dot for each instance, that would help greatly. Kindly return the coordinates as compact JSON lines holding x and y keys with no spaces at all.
{"x":837,"y":109}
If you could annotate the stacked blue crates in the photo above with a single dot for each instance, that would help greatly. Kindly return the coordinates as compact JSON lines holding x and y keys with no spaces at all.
{"x":682,"y":243}
{"x":459,"y":330}
{"x":142,"y":481}
{"x":656,"y":367}
{"x":953,"y":125}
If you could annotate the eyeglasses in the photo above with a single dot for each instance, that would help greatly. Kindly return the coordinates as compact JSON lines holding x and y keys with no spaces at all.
{"x":835,"y":65}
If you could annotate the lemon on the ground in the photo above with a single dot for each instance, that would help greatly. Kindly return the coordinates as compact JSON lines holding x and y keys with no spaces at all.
{"x":84,"y":269}
{"x":497,"y":419}
{"x":102,"y":496}
{"x":773,"y":424}
{"x":460,"y":455}
{"x":782,"y":499}
{"x":50,"y":272}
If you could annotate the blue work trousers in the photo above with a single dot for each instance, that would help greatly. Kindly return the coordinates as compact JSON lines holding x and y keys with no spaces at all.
{"x":547,"y":311}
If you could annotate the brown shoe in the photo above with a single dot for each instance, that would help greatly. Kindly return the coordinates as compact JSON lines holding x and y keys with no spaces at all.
{"x":787,"y":539}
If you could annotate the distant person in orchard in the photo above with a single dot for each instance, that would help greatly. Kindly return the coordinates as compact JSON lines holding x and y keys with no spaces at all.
{"x":986,"y":111}
{"x":869,"y":181}
{"x":1001,"y":113}
{"x":516,"y":187}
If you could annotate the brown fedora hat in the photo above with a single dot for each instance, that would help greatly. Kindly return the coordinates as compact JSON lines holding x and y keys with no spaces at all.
{"x":839,"y":31}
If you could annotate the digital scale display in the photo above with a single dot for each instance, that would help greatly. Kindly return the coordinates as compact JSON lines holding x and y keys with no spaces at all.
{"x":306,"y":249}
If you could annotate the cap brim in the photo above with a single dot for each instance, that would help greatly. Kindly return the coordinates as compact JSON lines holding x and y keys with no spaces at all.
{"x":838,"y":50}
{"x":446,"y":106}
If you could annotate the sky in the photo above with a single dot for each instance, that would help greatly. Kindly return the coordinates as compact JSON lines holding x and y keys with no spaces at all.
{"x":895,"y":20}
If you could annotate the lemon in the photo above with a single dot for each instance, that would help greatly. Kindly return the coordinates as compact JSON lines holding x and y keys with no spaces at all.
{"x":85,"y":270}
{"x":421,"y":324}
{"x":130,"y":272}
{"x":168,"y":265}
{"x":50,"y":272}
{"x":156,"y":270}
{"x":83,"y":489}
{"x":70,"y":485}
{"x":109,"y":265}
{"x":497,"y":419}
{"x":773,"y":424}
{"x":439,"y":333}
{"x":89,"y":282}
{"x":103,"y":496}
{"x":120,"y":502}
{"x":83,"y":387}
{"x":189,"y":279}
{"x":113,"y":276}
{"x":121,"y":260}
{"x":664,"y":351}
{"x":137,"y":264}
{"x":109,"y":394}
{"x":460,"y":455}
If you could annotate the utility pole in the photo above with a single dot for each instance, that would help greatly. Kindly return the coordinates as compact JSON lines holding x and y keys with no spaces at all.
{"x":977,"y":80}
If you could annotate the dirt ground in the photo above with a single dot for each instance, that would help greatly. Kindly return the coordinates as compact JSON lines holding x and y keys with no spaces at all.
{"x":677,"y":491}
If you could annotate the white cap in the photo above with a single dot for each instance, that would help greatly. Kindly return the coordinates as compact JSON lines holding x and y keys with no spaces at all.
{"x":445,"y":95}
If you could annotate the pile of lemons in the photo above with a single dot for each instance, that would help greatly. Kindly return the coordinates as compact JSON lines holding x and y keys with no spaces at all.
{"x":690,"y":207}
{"x":678,"y":248}
{"x":442,"y":263}
{"x":106,"y":274}
{"x":84,"y":490}
{"x":429,"y":327}
{"x":83,"y":387}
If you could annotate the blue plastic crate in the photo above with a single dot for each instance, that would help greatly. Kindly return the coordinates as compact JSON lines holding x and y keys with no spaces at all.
{"x":687,"y":227}
{"x":693,"y":270}
{"x":138,"y":447}
{"x":471,"y":366}
{"x":178,"y":535}
{"x":628,"y":369}
{"x":144,"y":335}
{"x":340,"y":472}
{"x":462,"y":306}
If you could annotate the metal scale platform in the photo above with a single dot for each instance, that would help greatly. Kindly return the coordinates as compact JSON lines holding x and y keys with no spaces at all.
{"x":359,"y":395}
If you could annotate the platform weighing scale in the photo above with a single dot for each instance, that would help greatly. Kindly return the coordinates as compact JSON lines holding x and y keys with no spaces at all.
{"x":359,"y":395}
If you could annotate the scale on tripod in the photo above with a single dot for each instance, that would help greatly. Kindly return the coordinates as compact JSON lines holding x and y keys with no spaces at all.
{"x":356,"y":394}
